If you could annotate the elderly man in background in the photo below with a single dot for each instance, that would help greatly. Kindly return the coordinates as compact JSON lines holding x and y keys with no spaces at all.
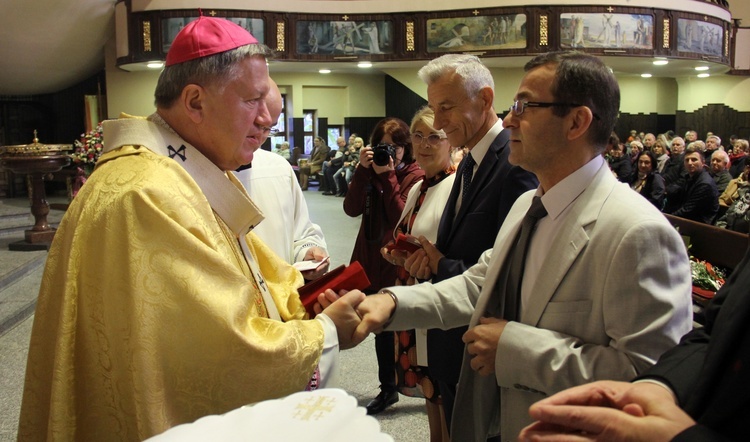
{"x":273,"y":186}
{"x":713,"y":143}
{"x":158,"y":304}
{"x":690,"y":136}
{"x":648,"y":141}
{"x":720,"y":169}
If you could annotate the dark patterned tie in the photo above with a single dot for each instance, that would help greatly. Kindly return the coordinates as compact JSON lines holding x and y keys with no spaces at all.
{"x":466,"y":175}
{"x":508,"y":285}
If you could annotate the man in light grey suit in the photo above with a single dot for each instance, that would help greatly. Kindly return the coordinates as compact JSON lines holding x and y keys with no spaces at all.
{"x":606,"y":286}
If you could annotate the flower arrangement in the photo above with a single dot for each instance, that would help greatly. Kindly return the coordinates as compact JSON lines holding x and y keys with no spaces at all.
{"x":705,"y":275}
{"x":88,"y":149}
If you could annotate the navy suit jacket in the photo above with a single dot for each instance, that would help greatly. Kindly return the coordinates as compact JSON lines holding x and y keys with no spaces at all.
{"x":709,"y":370}
{"x":463,"y":237}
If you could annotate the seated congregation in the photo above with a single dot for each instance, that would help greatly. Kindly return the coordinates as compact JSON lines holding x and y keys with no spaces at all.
{"x":699,"y":180}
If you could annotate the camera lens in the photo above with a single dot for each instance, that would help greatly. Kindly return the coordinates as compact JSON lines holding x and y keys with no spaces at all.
{"x":382,"y":153}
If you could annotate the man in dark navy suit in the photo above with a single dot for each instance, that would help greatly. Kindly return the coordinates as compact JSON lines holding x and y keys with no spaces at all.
{"x":461,"y":91}
{"x":698,"y":391}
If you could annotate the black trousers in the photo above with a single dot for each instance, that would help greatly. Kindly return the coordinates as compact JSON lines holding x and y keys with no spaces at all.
{"x":385,"y":351}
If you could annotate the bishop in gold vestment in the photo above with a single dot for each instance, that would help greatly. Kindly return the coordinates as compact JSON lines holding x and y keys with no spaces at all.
{"x":149,"y":315}
{"x":158,"y":304}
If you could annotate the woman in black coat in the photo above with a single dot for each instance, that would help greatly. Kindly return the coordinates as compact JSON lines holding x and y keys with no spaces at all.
{"x":647,"y":181}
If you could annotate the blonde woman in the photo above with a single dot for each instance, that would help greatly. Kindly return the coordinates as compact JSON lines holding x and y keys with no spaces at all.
{"x":420,"y":217}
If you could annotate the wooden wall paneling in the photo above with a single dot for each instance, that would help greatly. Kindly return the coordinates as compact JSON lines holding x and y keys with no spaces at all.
{"x":362,"y":126}
{"x":323,"y":129}
{"x":535,"y":27}
{"x":640,"y":122}
{"x":275,"y":38}
{"x":648,"y":123}
{"x":660,"y":48}
{"x":665,"y":123}
{"x":720,"y":119}
{"x":400,"y":101}
{"x":297,"y":137}
{"x":418,"y":33}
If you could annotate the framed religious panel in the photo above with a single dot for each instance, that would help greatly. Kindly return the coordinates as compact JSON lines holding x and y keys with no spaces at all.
{"x":254,"y":26}
{"x":349,"y":37}
{"x":700,"y":37}
{"x":172,"y":26}
{"x":482,"y":33}
{"x":606,"y":31}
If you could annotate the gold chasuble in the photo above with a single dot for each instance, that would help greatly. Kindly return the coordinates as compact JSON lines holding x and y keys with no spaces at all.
{"x":149,"y":314}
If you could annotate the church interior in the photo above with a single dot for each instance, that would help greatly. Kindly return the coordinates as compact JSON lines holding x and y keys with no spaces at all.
{"x":341,"y":66}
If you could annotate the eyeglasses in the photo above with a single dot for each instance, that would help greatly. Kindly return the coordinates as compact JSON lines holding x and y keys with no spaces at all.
{"x":432,"y":139}
{"x":519,"y":106}
{"x":269,"y":131}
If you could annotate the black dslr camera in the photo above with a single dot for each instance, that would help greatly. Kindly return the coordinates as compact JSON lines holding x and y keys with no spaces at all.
{"x":382,"y":153}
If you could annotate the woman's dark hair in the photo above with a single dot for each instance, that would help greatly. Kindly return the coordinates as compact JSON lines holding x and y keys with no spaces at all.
{"x":614,"y":140}
{"x":650,"y":156}
{"x":399,"y":132}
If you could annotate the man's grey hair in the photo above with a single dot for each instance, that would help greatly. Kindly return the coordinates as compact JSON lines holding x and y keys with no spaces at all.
{"x":720,"y":153}
{"x":697,"y":144}
{"x":221,"y":68}
{"x":715,"y":137}
{"x":470,"y":68}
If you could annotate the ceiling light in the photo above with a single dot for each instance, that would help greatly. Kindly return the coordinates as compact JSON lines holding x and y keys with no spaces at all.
{"x":155,"y":64}
{"x":364,"y":64}
{"x":646,"y":75}
{"x":704,"y":75}
{"x":325,"y":71}
{"x":660,"y":62}
{"x":701,"y":68}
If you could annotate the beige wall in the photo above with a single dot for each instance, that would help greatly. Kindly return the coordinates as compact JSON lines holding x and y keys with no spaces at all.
{"x":128,"y":92}
{"x":695,"y":93}
{"x":334,"y":96}
{"x":647,"y":95}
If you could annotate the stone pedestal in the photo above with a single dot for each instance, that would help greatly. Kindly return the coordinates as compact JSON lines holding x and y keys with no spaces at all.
{"x":37,"y":160}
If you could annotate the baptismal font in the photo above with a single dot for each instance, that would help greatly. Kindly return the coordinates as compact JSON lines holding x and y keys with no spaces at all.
{"x":38,"y":161}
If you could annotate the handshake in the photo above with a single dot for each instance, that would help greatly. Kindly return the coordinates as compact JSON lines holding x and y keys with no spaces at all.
{"x":354,"y":314}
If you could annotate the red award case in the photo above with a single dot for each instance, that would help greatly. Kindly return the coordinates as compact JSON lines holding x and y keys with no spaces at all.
{"x":343,"y":277}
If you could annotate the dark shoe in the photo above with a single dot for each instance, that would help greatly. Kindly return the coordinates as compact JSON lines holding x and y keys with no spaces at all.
{"x":342,"y":194}
{"x":383,"y":400}
{"x":327,"y":193}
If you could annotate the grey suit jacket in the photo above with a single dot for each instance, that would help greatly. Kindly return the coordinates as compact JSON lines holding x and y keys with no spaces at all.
{"x":614,"y":295}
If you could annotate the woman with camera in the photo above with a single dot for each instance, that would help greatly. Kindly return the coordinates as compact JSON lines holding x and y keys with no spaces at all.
{"x":378,"y":191}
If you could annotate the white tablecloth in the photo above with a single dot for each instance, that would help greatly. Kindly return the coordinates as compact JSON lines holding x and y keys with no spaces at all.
{"x":326,"y":415}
